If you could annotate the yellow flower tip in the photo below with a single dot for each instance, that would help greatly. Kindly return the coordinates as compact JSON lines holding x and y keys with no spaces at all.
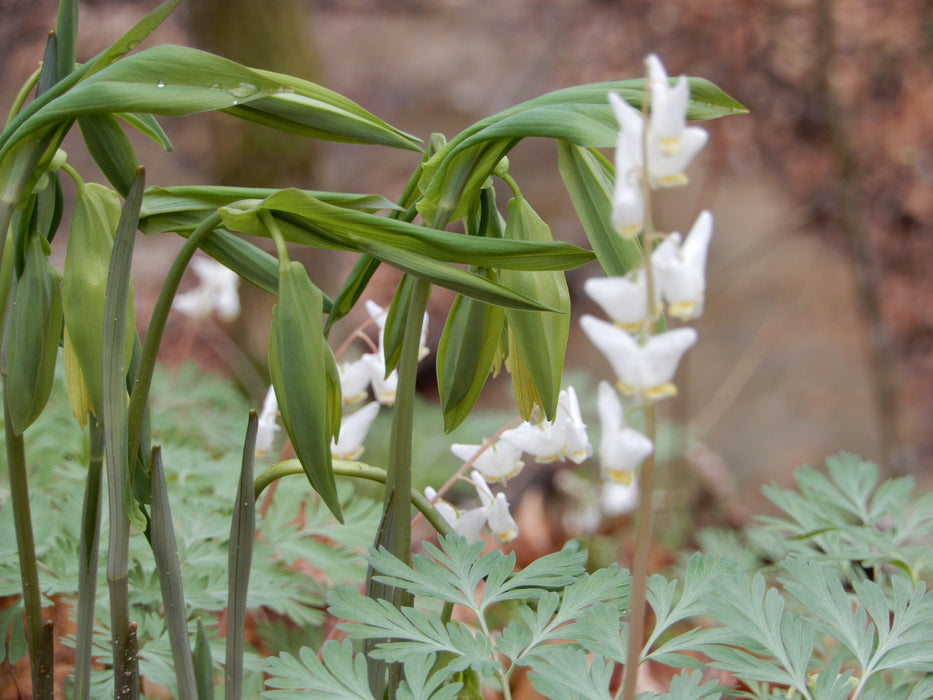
{"x":260,"y":453}
{"x":547,"y":459}
{"x":630,"y":327}
{"x":629,"y":232}
{"x":669,"y":145}
{"x":349,"y":456}
{"x":506,"y":536}
{"x":623,"y":478}
{"x":578,"y":456}
{"x":661,"y":391}
{"x":682,"y":310}
{"x":625,"y":389}
{"x":676,"y":180}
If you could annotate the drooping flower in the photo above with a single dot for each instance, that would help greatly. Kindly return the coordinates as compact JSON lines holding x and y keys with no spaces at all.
{"x":354,"y":380}
{"x":624,"y":299}
{"x":265,"y":434}
{"x":353,"y":431}
{"x":498,"y":462}
{"x":645,"y":370}
{"x":621,"y":448}
{"x":551,"y":441}
{"x":619,"y":499}
{"x":680,"y":269}
{"x":467,"y":523}
{"x":671,"y":144}
{"x":628,"y":199}
{"x":498,"y":518}
{"x":217,"y":291}
{"x":384,"y":387}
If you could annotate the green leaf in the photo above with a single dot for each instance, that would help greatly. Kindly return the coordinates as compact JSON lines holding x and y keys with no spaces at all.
{"x":177,"y":81}
{"x":568,"y":673}
{"x":162,"y":536}
{"x":453,"y":177}
{"x":66,"y":30}
{"x":299,"y":372}
{"x":466,"y":354}
{"x":110,"y":149}
{"x":304,"y":108}
{"x":537,"y":340}
{"x":589,"y":181}
{"x":242,"y":538}
{"x":338,"y":676}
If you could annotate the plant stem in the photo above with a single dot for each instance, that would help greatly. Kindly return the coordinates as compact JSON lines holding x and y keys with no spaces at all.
{"x":157,"y":322}
{"x":356,"y":470}
{"x":26,"y":547}
{"x":637,"y":600}
{"x":87,"y":562}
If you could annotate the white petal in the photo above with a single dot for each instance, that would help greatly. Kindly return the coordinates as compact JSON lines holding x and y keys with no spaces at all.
{"x":623,"y":299}
{"x":620,"y":349}
{"x":661,"y":355}
{"x":353,"y":431}
{"x":383,"y":387}
{"x":498,"y":462}
{"x":619,"y":499}
{"x":500,"y":521}
{"x":354,"y":379}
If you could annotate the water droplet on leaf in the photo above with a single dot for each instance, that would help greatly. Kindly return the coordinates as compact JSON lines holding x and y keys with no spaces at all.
{"x":160,"y":84}
{"x":244,"y":90}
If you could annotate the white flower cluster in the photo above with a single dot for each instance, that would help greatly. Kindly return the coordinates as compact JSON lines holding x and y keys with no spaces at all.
{"x":655,"y":153}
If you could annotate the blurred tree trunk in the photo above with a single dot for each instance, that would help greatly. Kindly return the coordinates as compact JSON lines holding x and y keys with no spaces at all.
{"x":274,"y":36}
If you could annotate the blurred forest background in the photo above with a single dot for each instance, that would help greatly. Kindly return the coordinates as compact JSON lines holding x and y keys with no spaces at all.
{"x":818,"y":335}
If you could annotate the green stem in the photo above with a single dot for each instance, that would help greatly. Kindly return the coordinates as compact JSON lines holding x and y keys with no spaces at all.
{"x":23,"y":94}
{"x":157,"y":322}
{"x":398,"y":478}
{"x":638,"y":598}
{"x":25,"y":545}
{"x":87,"y":562}
{"x":356,"y":470}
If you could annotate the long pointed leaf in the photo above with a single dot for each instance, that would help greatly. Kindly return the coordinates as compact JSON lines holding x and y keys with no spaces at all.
{"x":162,"y":538}
{"x":242,"y":536}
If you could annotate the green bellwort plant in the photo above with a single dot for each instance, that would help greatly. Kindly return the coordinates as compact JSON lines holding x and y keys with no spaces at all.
{"x":156,"y":622}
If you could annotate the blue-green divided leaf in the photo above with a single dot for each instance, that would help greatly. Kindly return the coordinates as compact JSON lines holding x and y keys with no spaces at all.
{"x":589,"y":181}
{"x":339,"y":675}
{"x":300,"y":375}
{"x":569,"y":673}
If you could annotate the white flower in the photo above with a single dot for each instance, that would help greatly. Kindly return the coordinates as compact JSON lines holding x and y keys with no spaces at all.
{"x":619,"y":499}
{"x":265,"y":433}
{"x":671,"y":143}
{"x":498,"y":462}
{"x":217,"y":291}
{"x":563,"y":438}
{"x":379,"y":316}
{"x":383,"y":387}
{"x":353,"y":430}
{"x":467,"y":523}
{"x":681,"y":269}
{"x":623,"y":299}
{"x":628,"y":199}
{"x":645,"y":370}
{"x":621,"y":449}
{"x":496,"y":509}
{"x":354,"y":380}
